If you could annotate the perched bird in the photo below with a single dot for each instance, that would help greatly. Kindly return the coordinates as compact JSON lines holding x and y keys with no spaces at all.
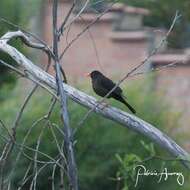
{"x":102,"y":85}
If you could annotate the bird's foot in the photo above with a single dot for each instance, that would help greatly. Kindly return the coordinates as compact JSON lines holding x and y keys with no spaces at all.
{"x":102,"y":105}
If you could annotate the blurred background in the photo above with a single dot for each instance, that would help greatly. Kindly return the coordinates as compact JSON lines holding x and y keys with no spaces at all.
{"x":123,"y":38}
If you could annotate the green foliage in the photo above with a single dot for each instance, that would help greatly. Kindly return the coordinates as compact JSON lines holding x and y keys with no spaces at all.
{"x":131,"y":164}
{"x":149,"y":147}
{"x":18,"y":12}
{"x":126,"y":171}
{"x":96,"y":142}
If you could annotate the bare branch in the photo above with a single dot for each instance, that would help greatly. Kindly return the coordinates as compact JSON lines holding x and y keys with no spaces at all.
{"x":17,"y":27}
{"x":85,"y":29}
{"x":154,"y":51}
{"x":71,"y":166}
{"x":127,"y":120}
{"x":26,"y":40}
{"x":95,"y":48}
{"x":6,"y":39}
{"x":78,"y":14}
{"x":61,"y":29}
{"x":172,"y":64}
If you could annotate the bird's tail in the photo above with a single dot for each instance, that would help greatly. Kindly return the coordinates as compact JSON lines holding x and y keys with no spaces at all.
{"x":128,"y":105}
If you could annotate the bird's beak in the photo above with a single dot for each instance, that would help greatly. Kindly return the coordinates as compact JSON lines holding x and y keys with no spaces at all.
{"x":87,"y":74}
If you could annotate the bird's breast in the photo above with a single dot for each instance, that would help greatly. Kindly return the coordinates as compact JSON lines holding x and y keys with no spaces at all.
{"x":98,"y":88}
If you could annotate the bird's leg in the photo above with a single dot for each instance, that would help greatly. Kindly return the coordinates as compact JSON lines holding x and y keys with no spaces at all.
{"x":103,"y":104}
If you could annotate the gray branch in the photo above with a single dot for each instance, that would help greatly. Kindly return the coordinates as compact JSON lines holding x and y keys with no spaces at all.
{"x":71,"y":164}
{"x":26,"y":40}
{"x":127,"y":120}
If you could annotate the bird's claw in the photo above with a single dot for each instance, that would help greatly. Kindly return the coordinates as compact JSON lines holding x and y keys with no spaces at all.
{"x":102,"y":105}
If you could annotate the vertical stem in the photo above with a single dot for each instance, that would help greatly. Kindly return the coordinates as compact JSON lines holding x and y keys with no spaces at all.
{"x":71,"y":166}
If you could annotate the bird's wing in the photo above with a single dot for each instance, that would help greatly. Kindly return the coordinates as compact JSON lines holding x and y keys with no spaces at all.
{"x":109,"y":85}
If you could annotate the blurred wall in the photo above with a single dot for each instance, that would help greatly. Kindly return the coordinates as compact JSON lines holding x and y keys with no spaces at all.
{"x":122,"y":44}
{"x":117,"y":52}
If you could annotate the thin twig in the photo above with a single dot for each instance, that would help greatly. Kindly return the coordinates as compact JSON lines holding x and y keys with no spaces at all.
{"x":127,"y":120}
{"x":78,"y":14}
{"x":85,"y":29}
{"x":61,"y":29}
{"x":132,"y":71}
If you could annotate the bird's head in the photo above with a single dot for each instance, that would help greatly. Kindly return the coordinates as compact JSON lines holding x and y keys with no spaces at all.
{"x":94,"y":74}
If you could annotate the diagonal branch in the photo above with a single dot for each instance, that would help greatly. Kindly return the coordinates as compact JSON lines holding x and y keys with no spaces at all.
{"x":78,"y":15}
{"x":153,"y":52}
{"x":127,"y":120}
{"x":61,"y":29}
{"x":86,"y":29}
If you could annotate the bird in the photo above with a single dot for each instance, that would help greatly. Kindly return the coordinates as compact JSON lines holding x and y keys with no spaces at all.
{"x":103,"y":85}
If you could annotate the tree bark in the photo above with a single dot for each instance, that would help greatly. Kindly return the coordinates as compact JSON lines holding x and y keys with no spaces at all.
{"x":125,"y":119}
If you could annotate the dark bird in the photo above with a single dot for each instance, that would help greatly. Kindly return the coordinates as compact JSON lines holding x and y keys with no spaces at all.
{"x":102,"y":85}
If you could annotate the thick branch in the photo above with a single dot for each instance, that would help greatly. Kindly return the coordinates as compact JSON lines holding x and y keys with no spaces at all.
{"x":26,"y":40}
{"x":127,"y":120}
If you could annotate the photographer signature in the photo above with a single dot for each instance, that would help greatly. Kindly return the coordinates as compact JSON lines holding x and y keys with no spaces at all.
{"x":164,"y":174}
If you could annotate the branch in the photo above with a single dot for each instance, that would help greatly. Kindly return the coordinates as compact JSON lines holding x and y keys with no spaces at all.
{"x":78,"y":15}
{"x":127,"y":120}
{"x":27,"y":41}
{"x":85,"y":29}
{"x":71,"y":166}
{"x":61,"y":29}
{"x":17,"y":27}
{"x":153,"y":52}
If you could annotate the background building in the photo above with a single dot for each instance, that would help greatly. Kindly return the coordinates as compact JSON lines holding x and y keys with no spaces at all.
{"x":117,"y":43}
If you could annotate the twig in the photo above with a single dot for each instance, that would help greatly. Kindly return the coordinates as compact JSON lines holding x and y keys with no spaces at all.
{"x":95,"y":49}
{"x":38,"y":172}
{"x":6,"y":39}
{"x":130,"y":121}
{"x":35,"y":168}
{"x":61,"y":29}
{"x":78,"y":15}
{"x":57,"y":143}
{"x":127,"y":120}
{"x":25,"y":176}
{"x":6,"y":128}
{"x":85,"y":29}
{"x":132,"y":71}
{"x":169,"y":65}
